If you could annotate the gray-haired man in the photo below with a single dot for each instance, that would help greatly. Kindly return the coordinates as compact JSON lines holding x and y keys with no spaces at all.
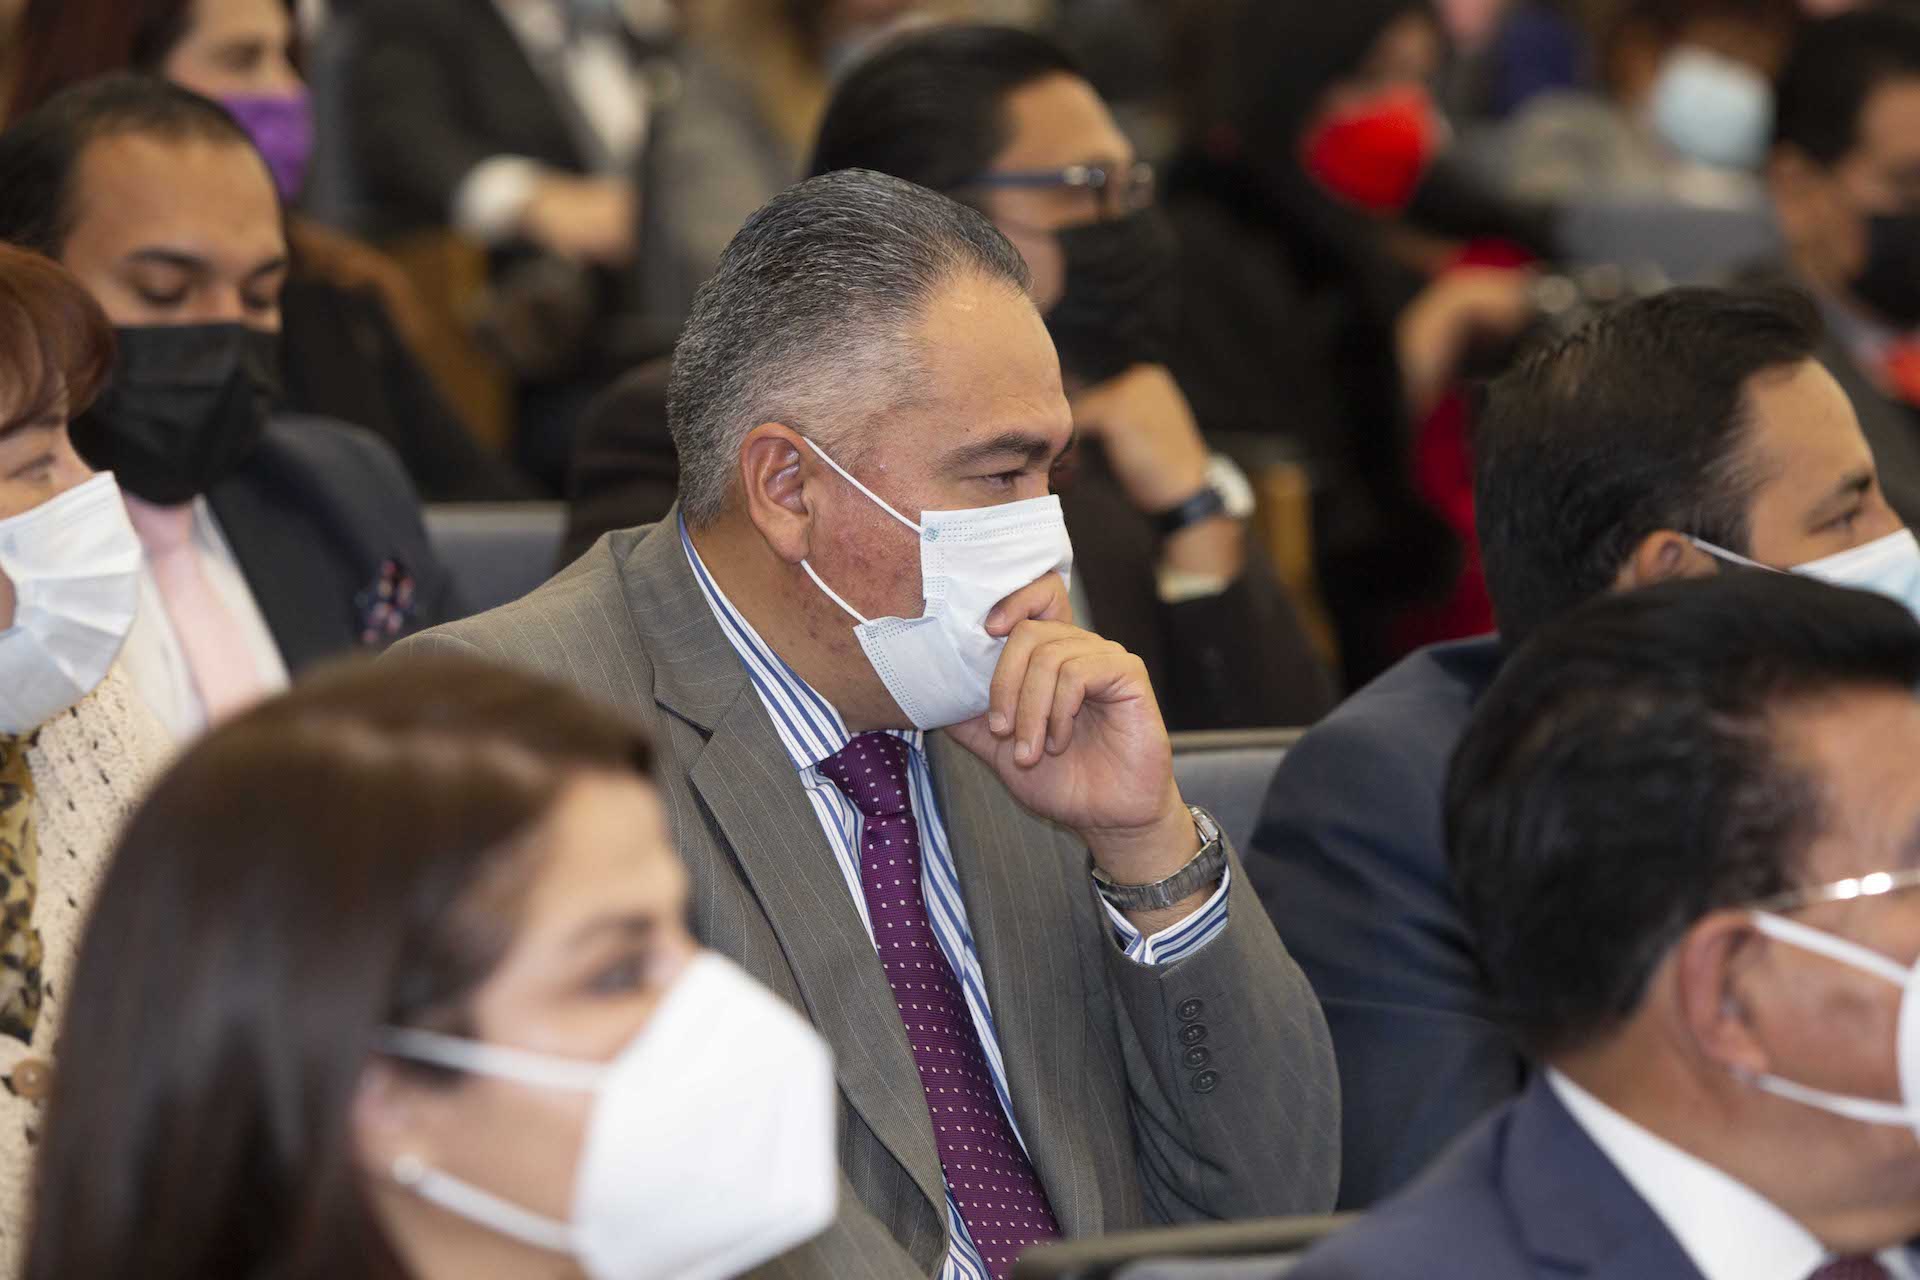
{"x":1056,"y":1008}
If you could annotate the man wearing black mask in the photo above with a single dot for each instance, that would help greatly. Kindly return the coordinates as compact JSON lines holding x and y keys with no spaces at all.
{"x":1004,"y":120}
{"x":269,"y":542}
{"x":1845,"y":183}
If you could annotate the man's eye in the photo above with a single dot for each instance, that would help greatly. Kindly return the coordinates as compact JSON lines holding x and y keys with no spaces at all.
{"x":1004,"y":479}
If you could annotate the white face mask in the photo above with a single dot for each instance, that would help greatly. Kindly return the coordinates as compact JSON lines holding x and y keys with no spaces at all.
{"x":711,"y":1145}
{"x":1712,"y":109}
{"x":1889,"y":566}
{"x":75,"y":567}
{"x":939,"y":666}
{"x":1905,"y":1113}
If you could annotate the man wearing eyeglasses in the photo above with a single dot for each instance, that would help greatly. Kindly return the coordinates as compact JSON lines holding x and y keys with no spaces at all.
{"x":1684,"y":826}
{"x":1003,"y":120}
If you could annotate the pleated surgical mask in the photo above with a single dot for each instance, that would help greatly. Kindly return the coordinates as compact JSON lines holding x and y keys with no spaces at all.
{"x":939,"y":666}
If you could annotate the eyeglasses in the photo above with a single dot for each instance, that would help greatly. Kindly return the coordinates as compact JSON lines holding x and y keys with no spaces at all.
{"x":1118,"y":192}
{"x":1867,"y":886}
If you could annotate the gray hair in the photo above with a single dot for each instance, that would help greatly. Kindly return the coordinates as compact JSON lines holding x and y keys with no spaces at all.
{"x":808,"y":318}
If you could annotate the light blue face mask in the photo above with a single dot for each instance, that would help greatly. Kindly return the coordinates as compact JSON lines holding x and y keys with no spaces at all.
{"x":1712,"y":109}
{"x":1889,"y":565}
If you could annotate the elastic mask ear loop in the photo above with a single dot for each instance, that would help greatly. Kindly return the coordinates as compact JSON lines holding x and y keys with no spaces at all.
{"x":1793,"y":933}
{"x":878,"y":501}
{"x":523,"y":1066}
{"x":1731,"y":557}
{"x":483,"y":1207}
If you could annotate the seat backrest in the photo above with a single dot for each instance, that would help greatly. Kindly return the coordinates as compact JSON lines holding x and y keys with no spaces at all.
{"x":1250,"y":1250}
{"x":496,"y":552}
{"x":1227,"y":773}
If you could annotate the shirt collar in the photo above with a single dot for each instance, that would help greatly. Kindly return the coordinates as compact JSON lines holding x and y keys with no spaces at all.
{"x":1730,"y":1231}
{"x":809,"y":726}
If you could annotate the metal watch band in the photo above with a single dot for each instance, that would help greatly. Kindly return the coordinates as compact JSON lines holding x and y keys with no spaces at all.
{"x":1204,"y":505}
{"x":1203,"y":869}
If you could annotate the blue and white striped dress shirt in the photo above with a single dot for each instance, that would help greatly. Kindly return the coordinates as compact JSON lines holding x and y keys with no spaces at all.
{"x":811,"y":730}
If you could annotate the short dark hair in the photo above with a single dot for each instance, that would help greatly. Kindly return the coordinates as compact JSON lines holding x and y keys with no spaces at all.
{"x":40,"y":152}
{"x":930,"y":106}
{"x":345,"y":857}
{"x":1836,"y":67}
{"x":806,"y":319}
{"x":1635,"y":423}
{"x":1624,"y":777}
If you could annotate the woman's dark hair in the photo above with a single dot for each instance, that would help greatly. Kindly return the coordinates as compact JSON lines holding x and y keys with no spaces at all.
{"x":54,"y":339}
{"x":1626,"y":775}
{"x":930,"y":107}
{"x":1635,"y":423}
{"x":347,"y":856}
{"x":62,"y":42}
{"x":1836,"y":67}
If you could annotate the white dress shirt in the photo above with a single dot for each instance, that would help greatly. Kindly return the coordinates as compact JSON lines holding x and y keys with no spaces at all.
{"x":603,"y":91}
{"x":1729,"y":1230}
{"x":153,"y":658}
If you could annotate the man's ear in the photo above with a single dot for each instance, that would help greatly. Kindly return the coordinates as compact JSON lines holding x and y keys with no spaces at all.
{"x":1705,"y":968}
{"x":1662,"y":555}
{"x":1793,"y":180}
{"x":775,"y":464}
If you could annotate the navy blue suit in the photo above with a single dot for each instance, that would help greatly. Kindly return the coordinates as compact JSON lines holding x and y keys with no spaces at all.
{"x":1525,"y":1195}
{"x":1349,"y":860}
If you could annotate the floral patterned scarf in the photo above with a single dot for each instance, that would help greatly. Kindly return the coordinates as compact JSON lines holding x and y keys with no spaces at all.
{"x":20,"y":949}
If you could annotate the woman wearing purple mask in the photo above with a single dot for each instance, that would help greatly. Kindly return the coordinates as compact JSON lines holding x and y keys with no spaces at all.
{"x":350,"y":317}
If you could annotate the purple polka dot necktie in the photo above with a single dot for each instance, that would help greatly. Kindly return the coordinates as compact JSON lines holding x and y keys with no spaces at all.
{"x":1863,"y":1267}
{"x":1000,"y":1198}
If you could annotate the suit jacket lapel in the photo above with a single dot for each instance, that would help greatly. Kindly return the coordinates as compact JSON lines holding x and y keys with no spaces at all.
{"x":1031,"y":966}
{"x":1573,"y":1208}
{"x":746,"y":780}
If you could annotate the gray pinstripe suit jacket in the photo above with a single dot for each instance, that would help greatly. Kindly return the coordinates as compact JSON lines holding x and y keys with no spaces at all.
{"x":1123,"y":1132}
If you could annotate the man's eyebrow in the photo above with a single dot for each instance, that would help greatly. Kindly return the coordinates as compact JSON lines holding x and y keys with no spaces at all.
{"x":45,"y":422}
{"x":1028,"y":445}
{"x":1851,"y":489}
{"x":169,"y":258}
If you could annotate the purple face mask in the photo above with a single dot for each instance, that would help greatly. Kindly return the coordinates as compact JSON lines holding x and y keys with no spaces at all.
{"x":282,"y":128}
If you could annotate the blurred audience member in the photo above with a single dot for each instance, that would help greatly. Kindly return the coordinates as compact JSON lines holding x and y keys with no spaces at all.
{"x":391,"y":978}
{"x":1845,"y":180}
{"x":270,"y":541}
{"x":520,"y":124}
{"x":1683,"y":114}
{"x":755,"y":77}
{"x":1319,"y":304}
{"x":1681,"y":827}
{"x":76,"y":745}
{"x":347,"y":309}
{"x":866,"y":402}
{"x":1004,"y":121}
{"x":1698,"y":414}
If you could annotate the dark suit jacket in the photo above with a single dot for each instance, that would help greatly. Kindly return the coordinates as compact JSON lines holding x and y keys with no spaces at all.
{"x":1122,"y":1133}
{"x":1527,"y":1195}
{"x":1350,"y":860}
{"x":315,"y":517}
{"x":431,"y":88}
{"x":1238,"y":660}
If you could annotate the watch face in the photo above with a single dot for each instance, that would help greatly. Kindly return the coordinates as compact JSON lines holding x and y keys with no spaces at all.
{"x":1230,"y":482}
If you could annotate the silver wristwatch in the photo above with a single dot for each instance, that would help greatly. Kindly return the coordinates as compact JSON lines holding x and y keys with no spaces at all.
{"x":1206,"y":867}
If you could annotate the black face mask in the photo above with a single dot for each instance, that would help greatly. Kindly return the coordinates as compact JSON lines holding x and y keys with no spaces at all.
{"x":1122,"y":296}
{"x":1890,"y":282}
{"x":185,"y":406}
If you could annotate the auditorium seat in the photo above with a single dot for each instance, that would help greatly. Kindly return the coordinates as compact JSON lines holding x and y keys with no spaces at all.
{"x":497,"y":551}
{"x":1226,"y":772}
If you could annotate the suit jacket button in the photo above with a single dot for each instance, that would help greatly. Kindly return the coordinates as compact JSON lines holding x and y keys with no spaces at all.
{"x":1196,"y":1058}
{"x":32,"y":1079}
{"x":1193,"y":1033}
{"x":1206,"y":1082}
{"x":1190,"y":1010}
